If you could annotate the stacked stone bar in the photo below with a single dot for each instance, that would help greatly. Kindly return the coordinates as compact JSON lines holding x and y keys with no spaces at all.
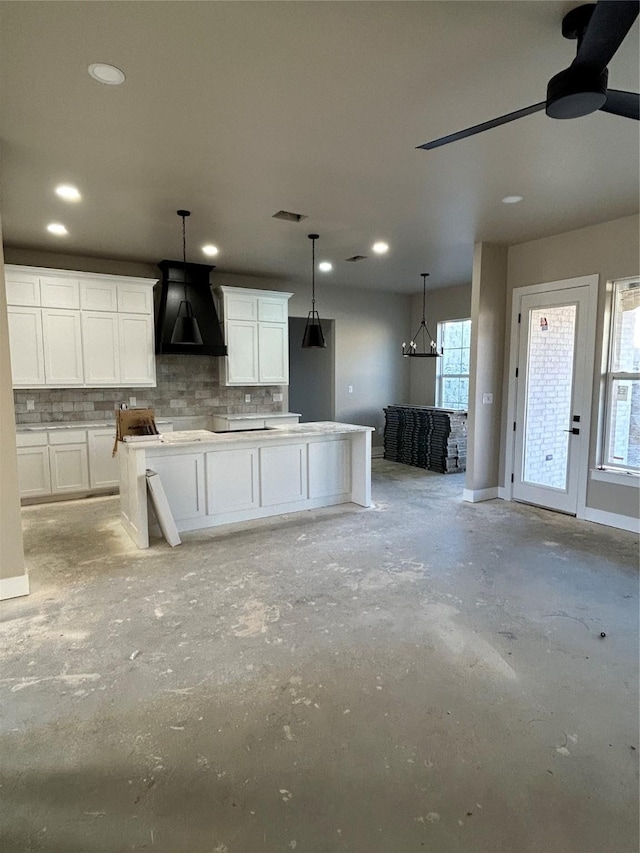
{"x":426,"y":437}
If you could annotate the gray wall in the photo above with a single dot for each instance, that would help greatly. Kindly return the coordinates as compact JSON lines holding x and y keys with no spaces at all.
{"x":611,"y":250}
{"x":311,"y":373}
{"x":444,"y":303}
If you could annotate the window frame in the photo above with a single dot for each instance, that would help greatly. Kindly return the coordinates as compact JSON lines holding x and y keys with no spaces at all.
{"x":610,"y":377}
{"x":439,"y":362}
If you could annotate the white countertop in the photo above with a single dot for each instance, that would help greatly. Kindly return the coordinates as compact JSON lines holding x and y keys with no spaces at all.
{"x":184,"y":438}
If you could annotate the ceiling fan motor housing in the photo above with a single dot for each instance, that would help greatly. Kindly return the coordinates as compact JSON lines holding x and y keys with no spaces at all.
{"x":577,"y":91}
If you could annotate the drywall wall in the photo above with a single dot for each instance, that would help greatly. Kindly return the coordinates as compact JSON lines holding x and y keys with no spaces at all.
{"x":13,"y":575}
{"x":369,"y":329}
{"x":611,"y":250}
{"x":486,"y":368}
{"x":443,"y":303}
{"x":311,"y":373}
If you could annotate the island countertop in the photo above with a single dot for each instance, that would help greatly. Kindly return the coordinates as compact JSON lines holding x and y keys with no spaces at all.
{"x":197,"y":438}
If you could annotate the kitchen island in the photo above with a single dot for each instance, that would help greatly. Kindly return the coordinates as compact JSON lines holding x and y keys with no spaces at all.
{"x":220,"y":478}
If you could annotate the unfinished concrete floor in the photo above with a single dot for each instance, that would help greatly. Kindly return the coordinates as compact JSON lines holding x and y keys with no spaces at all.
{"x":425,"y":675}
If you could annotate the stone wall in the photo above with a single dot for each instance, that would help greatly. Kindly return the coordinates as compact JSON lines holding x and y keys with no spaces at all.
{"x":188,"y":385}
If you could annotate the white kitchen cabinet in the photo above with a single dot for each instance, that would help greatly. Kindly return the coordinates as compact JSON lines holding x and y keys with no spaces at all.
{"x":62,"y":339}
{"x":137,"y":359}
{"x":259,"y":420}
{"x":257,"y":336}
{"x":273,"y":353}
{"x":232,"y":480}
{"x":98,"y":295}
{"x":27,"y":350}
{"x":34,"y":475}
{"x":103,"y":465}
{"x":283,"y":474}
{"x":329,"y":468}
{"x":70,"y":329}
{"x":58,"y":291}
{"x":69,"y":468}
{"x":186,"y":474}
{"x":100,"y":348}
{"x":242,"y":345}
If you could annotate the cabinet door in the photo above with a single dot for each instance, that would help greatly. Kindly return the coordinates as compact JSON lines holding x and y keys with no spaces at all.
{"x":135,"y":298}
{"x":100,"y":348}
{"x":33,"y":471}
{"x":96,"y":295}
{"x":62,"y":347}
{"x":22,"y":288}
{"x":137,"y":361}
{"x":329,"y":468}
{"x":69,"y":469}
{"x":59,"y":292}
{"x":272,"y":309}
{"x":242,"y":345}
{"x":240,"y":306}
{"x":283,"y":474}
{"x":232,"y":480}
{"x":103,"y":466}
{"x":273,"y":344}
{"x":25,"y":341}
{"x":182,"y":478}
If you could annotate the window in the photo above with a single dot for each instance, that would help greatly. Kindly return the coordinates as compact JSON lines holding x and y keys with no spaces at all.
{"x":452,"y":387}
{"x":622,"y":427}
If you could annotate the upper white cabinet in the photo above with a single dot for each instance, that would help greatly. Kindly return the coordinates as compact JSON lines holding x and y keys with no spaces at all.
{"x":257,"y":336}
{"x":69,"y":329}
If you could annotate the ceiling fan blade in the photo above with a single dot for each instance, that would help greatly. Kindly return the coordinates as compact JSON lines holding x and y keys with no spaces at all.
{"x":610,"y":22}
{"x":479,"y":128}
{"x":625,"y":104}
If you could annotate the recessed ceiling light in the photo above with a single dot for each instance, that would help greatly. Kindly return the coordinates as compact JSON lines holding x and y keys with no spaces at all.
{"x":57,"y":228}
{"x":511,"y":199}
{"x":68,"y":193}
{"x":104,"y":73}
{"x":325,"y":266}
{"x":380,"y":248}
{"x":210,"y":250}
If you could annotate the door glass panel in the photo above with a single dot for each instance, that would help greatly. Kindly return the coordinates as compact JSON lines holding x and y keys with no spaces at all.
{"x":548,"y":395}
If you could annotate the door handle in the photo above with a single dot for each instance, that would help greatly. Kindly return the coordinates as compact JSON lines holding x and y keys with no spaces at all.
{"x":574,"y":431}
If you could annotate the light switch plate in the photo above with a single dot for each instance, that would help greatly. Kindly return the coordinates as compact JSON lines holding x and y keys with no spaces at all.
{"x":277,"y":398}
{"x":247,"y":398}
{"x":132,"y":401}
{"x":31,"y":404}
{"x":487,"y":398}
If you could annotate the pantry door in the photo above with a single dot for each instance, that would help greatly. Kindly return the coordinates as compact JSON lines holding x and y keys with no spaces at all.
{"x":553,"y":382}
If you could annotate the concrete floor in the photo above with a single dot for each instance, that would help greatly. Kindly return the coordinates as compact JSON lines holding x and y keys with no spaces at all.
{"x":425,"y":675}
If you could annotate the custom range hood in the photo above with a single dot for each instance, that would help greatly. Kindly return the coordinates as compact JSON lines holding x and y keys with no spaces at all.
{"x":186,"y":296}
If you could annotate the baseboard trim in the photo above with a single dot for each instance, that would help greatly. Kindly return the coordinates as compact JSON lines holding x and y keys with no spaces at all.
{"x":611,"y":519}
{"x":377,"y":452}
{"x":474,"y":496}
{"x":14,"y":587}
{"x":502,"y":493}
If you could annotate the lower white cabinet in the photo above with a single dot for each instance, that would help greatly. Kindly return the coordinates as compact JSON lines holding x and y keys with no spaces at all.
{"x":103,"y":467}
{"x":186,"y":474}
{"x":283,"y":474}
{"x":69,"y":468}
{"x":232,"y":480}
{"x":34,"y":473}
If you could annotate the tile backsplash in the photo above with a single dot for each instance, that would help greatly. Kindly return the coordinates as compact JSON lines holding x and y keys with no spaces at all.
{"x":188,"y":386}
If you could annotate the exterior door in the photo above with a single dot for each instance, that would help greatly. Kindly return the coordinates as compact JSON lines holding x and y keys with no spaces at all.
{"x":553,"y":397}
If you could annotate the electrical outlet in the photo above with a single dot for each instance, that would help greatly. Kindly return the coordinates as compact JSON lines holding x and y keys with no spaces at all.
{"x":487,"y":398}
{"x":277,"y":398}
{"x":31,"y":404}
{"x":247,"y":398}
{"x":350,"y":389}
{"x":132,"y":401}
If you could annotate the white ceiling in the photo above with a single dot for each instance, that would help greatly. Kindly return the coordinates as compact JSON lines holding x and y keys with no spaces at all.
{"x":238,"y":109}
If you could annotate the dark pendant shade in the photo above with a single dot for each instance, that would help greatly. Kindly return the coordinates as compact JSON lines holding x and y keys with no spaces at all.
{"x":313,"y":337}
{"x":186,"y":329}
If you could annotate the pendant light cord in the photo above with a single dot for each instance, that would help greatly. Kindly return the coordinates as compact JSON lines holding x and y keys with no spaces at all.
{"x":424,"y":297}
{"x":313,"y":274}
{"x":184,"y":254}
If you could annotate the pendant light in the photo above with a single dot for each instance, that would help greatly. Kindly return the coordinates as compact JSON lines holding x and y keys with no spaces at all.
{"x":422,"y":344}
{"x":186,"y":329}
{"x":313,"y":336}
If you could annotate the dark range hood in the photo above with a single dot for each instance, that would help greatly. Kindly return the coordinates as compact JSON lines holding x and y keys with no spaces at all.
{"x":194,"y":278}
